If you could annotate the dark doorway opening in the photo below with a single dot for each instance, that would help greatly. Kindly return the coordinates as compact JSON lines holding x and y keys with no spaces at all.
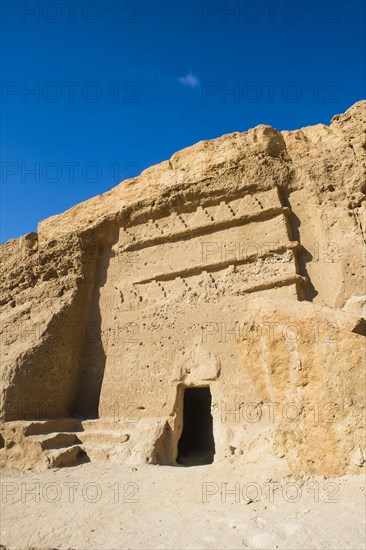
{"x":196,"y":445}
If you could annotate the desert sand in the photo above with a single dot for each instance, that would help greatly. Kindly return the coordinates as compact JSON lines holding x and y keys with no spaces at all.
{"x":114,"y":506}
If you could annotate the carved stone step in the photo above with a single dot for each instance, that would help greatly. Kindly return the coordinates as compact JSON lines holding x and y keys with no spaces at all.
{"x":55,"y":440}
{"x":38,"y":427}
{"x":65,"y":456}
{"x":19,"y":431}
{"x":108,"y":425}
{"x":107,"y":452}
{"x":96,"y":437}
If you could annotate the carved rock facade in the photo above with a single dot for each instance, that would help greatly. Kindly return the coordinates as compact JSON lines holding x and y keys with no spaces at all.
{"x":226,"y":268}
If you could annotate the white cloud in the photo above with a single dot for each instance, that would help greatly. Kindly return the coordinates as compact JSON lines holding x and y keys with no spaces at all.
{"x":189,"y":80}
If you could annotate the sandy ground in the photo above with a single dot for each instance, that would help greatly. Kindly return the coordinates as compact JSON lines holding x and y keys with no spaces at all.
{"x":225,"y":505}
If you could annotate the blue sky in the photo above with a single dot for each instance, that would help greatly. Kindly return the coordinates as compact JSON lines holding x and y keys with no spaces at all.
{"x":119,"y":86}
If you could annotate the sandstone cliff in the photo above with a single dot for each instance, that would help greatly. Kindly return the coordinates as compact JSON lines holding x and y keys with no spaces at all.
{"x":261,"y":226}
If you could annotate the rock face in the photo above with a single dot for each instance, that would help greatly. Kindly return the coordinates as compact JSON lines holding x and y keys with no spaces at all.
{"x":237,"y":266}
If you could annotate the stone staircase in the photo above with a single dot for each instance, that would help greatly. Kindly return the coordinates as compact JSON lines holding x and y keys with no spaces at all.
{"x":40,"y":445}
{"x":104,"y":440}
{"x":60,"y":448}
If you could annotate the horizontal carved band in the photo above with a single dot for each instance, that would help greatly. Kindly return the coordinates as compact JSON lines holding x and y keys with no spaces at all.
{"x":202,"y":220}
